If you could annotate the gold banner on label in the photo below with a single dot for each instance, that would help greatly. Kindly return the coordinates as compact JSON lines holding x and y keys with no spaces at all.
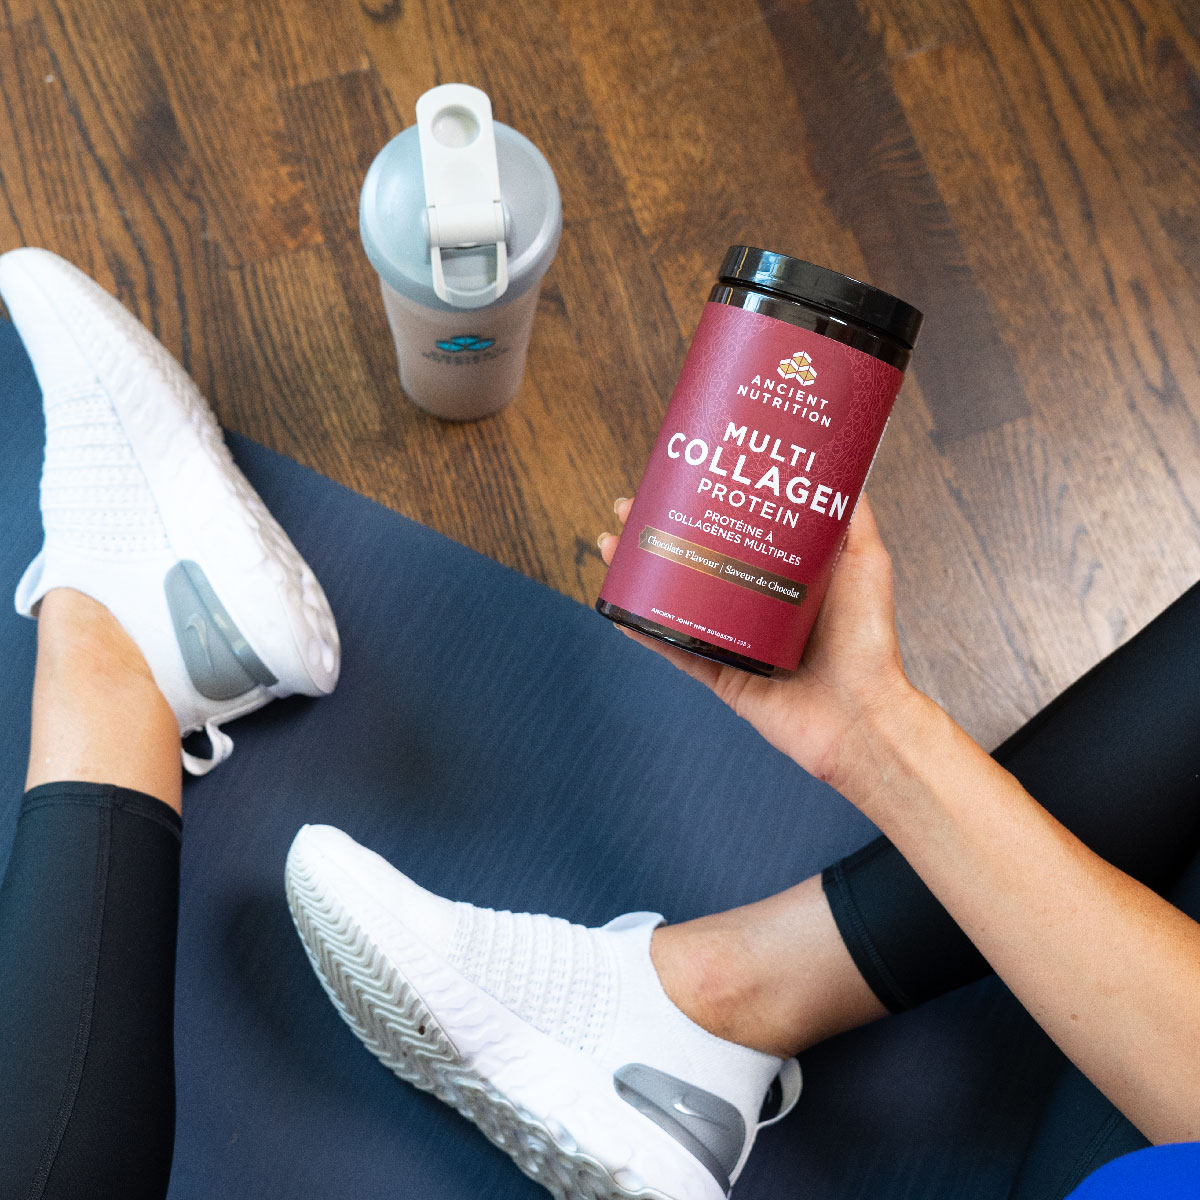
{"x":721,"y":566}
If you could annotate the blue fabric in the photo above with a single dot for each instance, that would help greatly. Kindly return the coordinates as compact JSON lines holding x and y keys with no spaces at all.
{"x":1161,"y":1173}
{"x":503,"y":745}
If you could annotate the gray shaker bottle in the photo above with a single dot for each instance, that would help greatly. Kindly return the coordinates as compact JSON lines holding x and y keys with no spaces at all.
{"x":461,"y":218}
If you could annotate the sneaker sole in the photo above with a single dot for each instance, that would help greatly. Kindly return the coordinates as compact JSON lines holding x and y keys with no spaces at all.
{"x":385,"y":1007}
{"x":210,"y":512}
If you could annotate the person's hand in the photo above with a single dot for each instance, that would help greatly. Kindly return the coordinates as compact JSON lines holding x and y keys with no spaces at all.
{"x":851,"y":669}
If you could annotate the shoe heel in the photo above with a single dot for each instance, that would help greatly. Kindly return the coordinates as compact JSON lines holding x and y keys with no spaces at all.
{"x":219,"y":660}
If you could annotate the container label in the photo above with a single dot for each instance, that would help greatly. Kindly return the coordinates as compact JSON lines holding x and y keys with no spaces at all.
{"x":755,"y":473}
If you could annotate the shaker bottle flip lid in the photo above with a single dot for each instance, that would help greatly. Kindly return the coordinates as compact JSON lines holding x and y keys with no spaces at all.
{"x":462,"y":187}
{"x":459,"y":212}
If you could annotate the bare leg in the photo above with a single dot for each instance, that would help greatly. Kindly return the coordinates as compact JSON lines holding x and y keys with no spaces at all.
{"x":774,"y":975}
{"x":98,"y":716}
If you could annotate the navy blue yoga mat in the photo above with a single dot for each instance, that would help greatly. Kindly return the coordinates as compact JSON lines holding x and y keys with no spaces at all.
{"x":504,"y":745}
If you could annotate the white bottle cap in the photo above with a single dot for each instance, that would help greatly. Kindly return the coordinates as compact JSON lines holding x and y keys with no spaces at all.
{"x":463,"y":208}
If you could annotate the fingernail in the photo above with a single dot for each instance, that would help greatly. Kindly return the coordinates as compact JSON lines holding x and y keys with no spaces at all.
{"x":600,"y":540}
{"x":618,"y":502}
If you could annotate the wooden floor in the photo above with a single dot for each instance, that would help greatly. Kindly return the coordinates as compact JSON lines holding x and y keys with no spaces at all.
{"x":1026,"y":171}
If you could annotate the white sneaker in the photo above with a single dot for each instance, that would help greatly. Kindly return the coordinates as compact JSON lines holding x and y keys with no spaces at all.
{"x":145,"y":511}
{"x":557,"y":1041}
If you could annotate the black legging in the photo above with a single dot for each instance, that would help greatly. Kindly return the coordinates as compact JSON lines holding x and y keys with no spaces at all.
{"x":88,"y":906}
{"x":88,"y":911}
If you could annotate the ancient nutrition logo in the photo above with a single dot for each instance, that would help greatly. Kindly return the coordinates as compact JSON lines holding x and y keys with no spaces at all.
{"x":799,"y":367}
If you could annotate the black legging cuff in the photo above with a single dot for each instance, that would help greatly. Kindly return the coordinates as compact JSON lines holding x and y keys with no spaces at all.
{"x":104,"y":795}
{"x":838,"y":884}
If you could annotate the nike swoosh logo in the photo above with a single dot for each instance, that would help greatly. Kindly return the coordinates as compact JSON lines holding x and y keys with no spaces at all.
{"x":198,"y":627}
{"x":681,"y":1106}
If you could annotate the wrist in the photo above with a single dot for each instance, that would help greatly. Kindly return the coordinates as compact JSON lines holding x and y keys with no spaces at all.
{"x":883,"y":747}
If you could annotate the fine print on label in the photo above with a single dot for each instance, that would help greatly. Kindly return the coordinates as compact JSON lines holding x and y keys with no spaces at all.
{"x":744,"y":505}
{"x":721,"y":566}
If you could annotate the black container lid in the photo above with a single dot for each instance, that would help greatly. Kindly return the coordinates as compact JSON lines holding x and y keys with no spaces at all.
{"x":804,"y":281}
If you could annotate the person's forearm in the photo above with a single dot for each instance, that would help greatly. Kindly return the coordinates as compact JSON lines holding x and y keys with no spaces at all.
{"x":1110,"y":970}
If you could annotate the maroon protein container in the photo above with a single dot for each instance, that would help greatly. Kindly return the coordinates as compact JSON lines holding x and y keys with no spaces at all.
{"x":766,"y":445}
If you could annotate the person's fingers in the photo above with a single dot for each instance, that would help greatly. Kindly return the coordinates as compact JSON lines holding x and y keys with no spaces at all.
{"x":862,"y":534}
{"x":608,"y":541}
{"x":864,"y":507}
